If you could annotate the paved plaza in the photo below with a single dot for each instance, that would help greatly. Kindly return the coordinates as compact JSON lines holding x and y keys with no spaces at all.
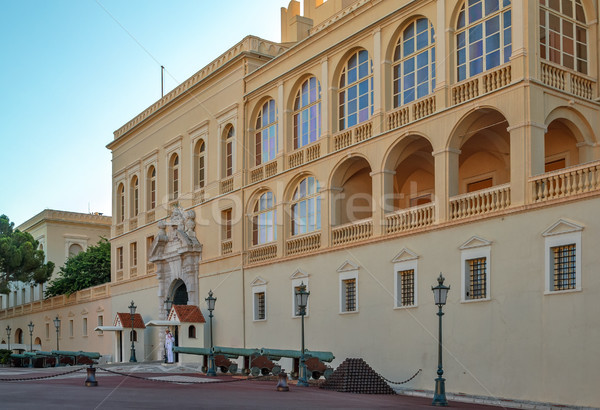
{"x":153,"y":386}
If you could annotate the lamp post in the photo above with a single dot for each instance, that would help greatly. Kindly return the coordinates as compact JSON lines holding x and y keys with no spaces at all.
{"x":8,"y":329}
{"x":30,"y":326}
{"x":57,"y":326}
{"x":301,"y":302}
{"x":168,"y":303}
{"x":210,"y":301}
{"x":440,"y":293}
{"x":132,"y":308}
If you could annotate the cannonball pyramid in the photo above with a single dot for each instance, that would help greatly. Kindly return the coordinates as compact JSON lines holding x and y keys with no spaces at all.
{"x":356,"y":376}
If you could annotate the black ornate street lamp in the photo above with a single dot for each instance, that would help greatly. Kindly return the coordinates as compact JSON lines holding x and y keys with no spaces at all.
{"x":57,"y":326}
{"x":30,"y":326}
{"x":132,"y":308}
{"x":440,"y":293}
{"x":8,"y":329}
{"x":301,"y":302}
{"x":210,"y":301}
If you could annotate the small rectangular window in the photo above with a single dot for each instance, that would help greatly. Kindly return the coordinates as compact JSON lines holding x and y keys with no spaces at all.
{"x":120,"y":258}
{"x":349,"y":295}
{"x":226,"y":221}
{"x":259,"y":306}
{"x":133,"y":254}
{"x":476,"y":286}
{"x":406,"y":291}
{"x":71,"y":328}
{"x":564,"y":267}
{"x":100,"y":323}
{"x":47,"y":330}
{"x":85,"y":329}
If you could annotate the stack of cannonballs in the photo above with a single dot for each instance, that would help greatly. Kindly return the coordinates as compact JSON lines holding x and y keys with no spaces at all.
{"x":356,"y":376}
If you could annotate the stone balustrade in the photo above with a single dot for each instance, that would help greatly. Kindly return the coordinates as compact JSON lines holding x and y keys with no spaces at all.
{"x":262,"y":253}
{"x":227,"y":185}
{"x":352,"y":232}
{"x":480,"y":202}
{"x":408,"y":219}
{"x":566,"y":182}
{"x":304,"y":243}
{"x":563,"y":79}
{"x":358,"y":133}
{"x":226,"y":247}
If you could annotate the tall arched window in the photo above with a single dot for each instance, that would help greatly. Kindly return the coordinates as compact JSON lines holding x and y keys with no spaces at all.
{"x":135,"y":206}
{"x":563,"y":34}
{"x":306,"y":207}
{"x":483,"y":36}
{"x":266,"y":133}
{"x":414,"y":62}
{"x":356,"y":90}
{"x":199,"y":164}
{"x":307,"y":113}
{"x":151,"y":188}
{"x":174,"y":176}
{"x":121,"y":203}
{"x":228,"y":150}
{"x":264,"y":216}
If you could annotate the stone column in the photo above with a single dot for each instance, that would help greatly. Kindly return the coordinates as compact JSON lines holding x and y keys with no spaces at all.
{"x":526,"y":159}
{"x":446,"y":181}
{"x":379,"y":201}
{"x":378,"y":95}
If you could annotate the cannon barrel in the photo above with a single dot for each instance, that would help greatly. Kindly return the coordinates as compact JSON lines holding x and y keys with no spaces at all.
{"x":192,"y":350}
{"x":201,"y":351}
{"x":295,"y":354}
{"x":235,"y":351}
{"x":89,"y":355}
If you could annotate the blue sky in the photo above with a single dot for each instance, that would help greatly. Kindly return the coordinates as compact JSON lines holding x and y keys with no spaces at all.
{"x":71,"y":74}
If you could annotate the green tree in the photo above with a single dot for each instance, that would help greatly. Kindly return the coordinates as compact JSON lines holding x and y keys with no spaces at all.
{"x":86,"y":269}
{"x":20,"y":258}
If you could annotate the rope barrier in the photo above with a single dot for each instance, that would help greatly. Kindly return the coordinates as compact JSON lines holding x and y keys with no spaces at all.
{"x":179,"y":382}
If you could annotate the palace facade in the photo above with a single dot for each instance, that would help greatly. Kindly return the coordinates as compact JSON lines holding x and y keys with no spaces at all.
{"x":379,"y":144}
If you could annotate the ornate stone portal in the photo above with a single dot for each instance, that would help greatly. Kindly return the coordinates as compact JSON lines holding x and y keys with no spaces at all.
{"x":176,"y":253}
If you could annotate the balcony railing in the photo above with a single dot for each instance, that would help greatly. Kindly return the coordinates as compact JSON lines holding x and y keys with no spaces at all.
{"x":304,"y":243}
{"x":226,"y":247}
{"x":133,"y":223}
{"x":558,"y":77}
{"x":412,"y":218}
{"x":352,"y":232}
{"x":150,"y":268}
{"x":480,"y":202}
{"x":133,"y":272}
{"x":352,"y":135}
{"x":413,"y":112}
{"x":305,"y":154}
{"x":227,"y":185}
{"x":262,"y":253}
{"x":119,"y":229}
{"x":481,"y":84}
{"x":566,"y":182}
{"x":263,"y":171}
{"x":198,"y":197}
{"x":150,"y":216}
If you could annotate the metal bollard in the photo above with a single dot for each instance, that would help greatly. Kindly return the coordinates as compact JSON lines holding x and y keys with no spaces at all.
{"x":282,"y":383}
{"x":90,"y":381}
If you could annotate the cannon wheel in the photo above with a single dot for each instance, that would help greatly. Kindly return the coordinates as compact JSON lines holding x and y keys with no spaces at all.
{"x":264,"y":371}
{"x":327,"y":373}
{"x":233,"y":368}
{"x":223,"y":369}
{"x":276,"y":370}
{"x":204,"y":369}
{"x":316,"y":375}
{"x":254,"y":371}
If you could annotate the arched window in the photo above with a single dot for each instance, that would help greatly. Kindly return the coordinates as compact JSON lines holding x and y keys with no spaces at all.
{"x":192,"y":332}
{"x":414,"y":63}
{"x":199,"y":164}
{"x":151,"y":187}
{"x":135,"y":206}
{"x":120,"y":203}
{"x":74,"y":250}
{"x":265,"y":142}
{"x":563,"y":34}
{"x":356,"y":90}
{"x":174,"y":176}
{"x":264,"y":229}
{"x":307,"y":113}
{"x":306,"y":207}
{"x":228,"y":150}
{"x":483,"y":36}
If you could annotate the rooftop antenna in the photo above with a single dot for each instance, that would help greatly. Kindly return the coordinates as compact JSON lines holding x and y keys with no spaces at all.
{"x":162,"y":76}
